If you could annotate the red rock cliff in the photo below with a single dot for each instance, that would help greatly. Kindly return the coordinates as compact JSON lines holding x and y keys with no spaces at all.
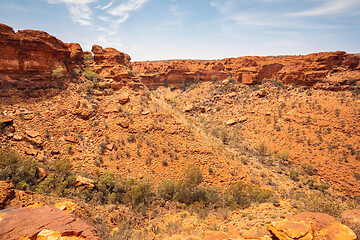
{"x":28,"y":57}
{"x":319,"y":70}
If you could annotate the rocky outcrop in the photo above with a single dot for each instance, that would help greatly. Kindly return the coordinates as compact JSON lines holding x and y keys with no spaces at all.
{"x":308,"y":226}
{"x":114,"y":67}
{"x":38,"y":223}
{"x":76,"y":56}
{"x":28,"y":57}
{"x":351,"y":218}
{"x":6,"y":193}
{"x":313,"y":70}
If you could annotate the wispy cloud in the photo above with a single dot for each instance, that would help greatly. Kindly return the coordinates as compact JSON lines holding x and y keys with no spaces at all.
{"x":115,"y":11}
{"x":168,"y":26}
{"x":122,"y":10}
{"x":106,"y":6}
{"x":80,"y":11}
{"x":329,"y":7}
{"x":175,"y":10}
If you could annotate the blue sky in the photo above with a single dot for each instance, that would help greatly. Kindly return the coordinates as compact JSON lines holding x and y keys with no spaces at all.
{"x":194,"y":29}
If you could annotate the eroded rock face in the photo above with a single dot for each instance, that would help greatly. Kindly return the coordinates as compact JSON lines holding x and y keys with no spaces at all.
{"x":308,"y":226}
{"x":306,"y":70}
{"x":76,"y":55}
{"x":6,"y":193}
{"x":29,"y":56}
{"x":30,"y":222}
{"x":111,"y":63}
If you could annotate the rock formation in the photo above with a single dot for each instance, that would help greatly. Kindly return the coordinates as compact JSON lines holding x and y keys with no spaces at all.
{"x":38,"y":223}
{"x":315,"y":70}
{"x":28,"y":58}
{"x":308,"y":226}
{"x":114,"y":67}
{"x":6,"y":193}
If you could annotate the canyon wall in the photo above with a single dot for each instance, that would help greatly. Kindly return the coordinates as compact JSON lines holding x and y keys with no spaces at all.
{"x":326,"y":70}
{"x":28,"y":57}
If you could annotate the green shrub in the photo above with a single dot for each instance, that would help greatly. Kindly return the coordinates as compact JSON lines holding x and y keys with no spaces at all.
{"x":140,"y":194}
{"x":61,"y":181}
{"x":244,"y":195}
{"x":308,"y":169}
{"x":21,"y":172}
{"x":283,"y":157}
{"x":89,"y":74}
{"x":69,"y":148}
{"x":263,"y":149}
{"x":59,"y":72}
{"x":294,"y":175}
{"x":167,"y":190}
{"x":76,"y":72}
{"x":321,"y":202}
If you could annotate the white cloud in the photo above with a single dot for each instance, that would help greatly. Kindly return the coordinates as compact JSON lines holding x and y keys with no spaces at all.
{"x":168,"y":26}
{"x":80,"y":12}
{"x":123,"y":9}
{"x":329,"y":7}
{"x":175,"y":10}
{"x":106,"y":6}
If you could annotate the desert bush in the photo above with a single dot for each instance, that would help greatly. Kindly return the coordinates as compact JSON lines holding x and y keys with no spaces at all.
{"x":244,"y":195}
{"x":320,"y":202}
{"x":21,"y":172}
{"x":294,"y":175}
{"x":59,"y":72}
{"x":140,"y":194}
{"x":61,"y":181}
{"x":90,"y":75}
{"x":283,"y":157}
{"x":69,"y":148}
{"x":308,"y":169}
{"x":166,"y":190}
{"x":262,"y":148}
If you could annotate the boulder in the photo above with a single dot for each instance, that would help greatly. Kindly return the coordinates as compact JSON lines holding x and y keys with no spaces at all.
{"x":242,"y":119}
{"x":231,"y":122}
{"x":4,"y":122}
{"x":43,"y":222}
{"x":124,"y":98}
{"x":41,"y":174}
{"x":145,"y":112}
{"x":351,"y":218}
{"x":84,"y":182}
{"x":123,"y":123}
{"x":71,"y":139}
{"x":110,"y":146}
{"x":6,"y":193}
{"x":308,"y":226}
{"x":32,"y":134}
{"x":17,"y":137}
{"x":287,"y":230}
{"x":31,"y":151}
{"x":189,"y":108}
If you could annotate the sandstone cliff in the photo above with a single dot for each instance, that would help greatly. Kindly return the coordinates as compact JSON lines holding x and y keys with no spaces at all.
{"x":319,"y":70}
{"x":28,"y":58}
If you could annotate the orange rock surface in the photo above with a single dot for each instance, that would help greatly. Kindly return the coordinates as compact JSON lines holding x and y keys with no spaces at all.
{"x":308,"y":70}
{"x":311,"y":226}
{"x":29,"y":56}
{"x":30,"y":222}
